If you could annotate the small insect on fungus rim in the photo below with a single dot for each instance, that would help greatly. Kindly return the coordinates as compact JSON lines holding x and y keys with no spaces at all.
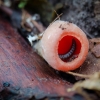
{"x":69,"y":48}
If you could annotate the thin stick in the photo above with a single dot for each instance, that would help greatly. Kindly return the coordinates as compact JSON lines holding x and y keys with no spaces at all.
{"x":57,"y":14}
{"x":57,"y":18}
{"x":79,"y":75}
{"x":89,"y":35}
{"x":38,"y":26}
{"x":53,"y":21}
{"x":7,"y":10}
{"x":0,"y":2}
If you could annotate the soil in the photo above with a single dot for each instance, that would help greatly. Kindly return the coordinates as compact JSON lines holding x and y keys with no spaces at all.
{"x":84,"y":13}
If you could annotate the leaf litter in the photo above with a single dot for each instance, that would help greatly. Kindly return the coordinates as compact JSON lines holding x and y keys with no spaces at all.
{"x":91,"y":66}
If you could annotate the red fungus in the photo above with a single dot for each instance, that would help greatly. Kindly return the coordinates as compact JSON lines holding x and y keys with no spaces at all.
{"x":64,"y":46}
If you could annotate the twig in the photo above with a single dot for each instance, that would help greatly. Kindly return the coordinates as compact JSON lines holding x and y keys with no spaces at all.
{"x":57,"y":14}
{"x":27,"y":19}
{"x":1,"y":2}
{"x":7,"y":10}
{"x":38,"y":26}
{"x":79,"y":75}
{"x":56,"y":18}
{"x":89,"y":35}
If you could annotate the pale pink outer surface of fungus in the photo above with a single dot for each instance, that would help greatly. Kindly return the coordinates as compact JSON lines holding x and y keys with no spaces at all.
{"x":50,"y":41}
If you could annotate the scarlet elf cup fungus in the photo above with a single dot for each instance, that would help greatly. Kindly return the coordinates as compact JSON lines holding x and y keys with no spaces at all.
{"x":63,"y":45}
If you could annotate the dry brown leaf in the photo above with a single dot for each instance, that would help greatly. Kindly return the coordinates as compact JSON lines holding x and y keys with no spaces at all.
{"x":92,"y":84}
{"x":96,"y":50}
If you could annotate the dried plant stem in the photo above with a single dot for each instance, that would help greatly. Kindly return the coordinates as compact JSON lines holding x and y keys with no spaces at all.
{"x":79,"y":75}
{"x":27,"y":19}
{"x":1,"y":2}
{"x":58,"y":17}
{"x":55,"y":19}
{"x":7,"y":10}
{"x":38,"y":26}
{"x":57,"y":14}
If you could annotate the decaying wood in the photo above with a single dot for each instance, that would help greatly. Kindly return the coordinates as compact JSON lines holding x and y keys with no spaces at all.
{"x":23,"y":73}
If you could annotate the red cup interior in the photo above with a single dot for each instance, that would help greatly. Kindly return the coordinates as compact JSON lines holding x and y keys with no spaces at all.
{"x":65,"y":44}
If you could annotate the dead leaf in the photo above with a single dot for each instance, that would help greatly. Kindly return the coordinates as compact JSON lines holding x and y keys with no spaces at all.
{"x":93,"y":84}
{"x":96,"y":50}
